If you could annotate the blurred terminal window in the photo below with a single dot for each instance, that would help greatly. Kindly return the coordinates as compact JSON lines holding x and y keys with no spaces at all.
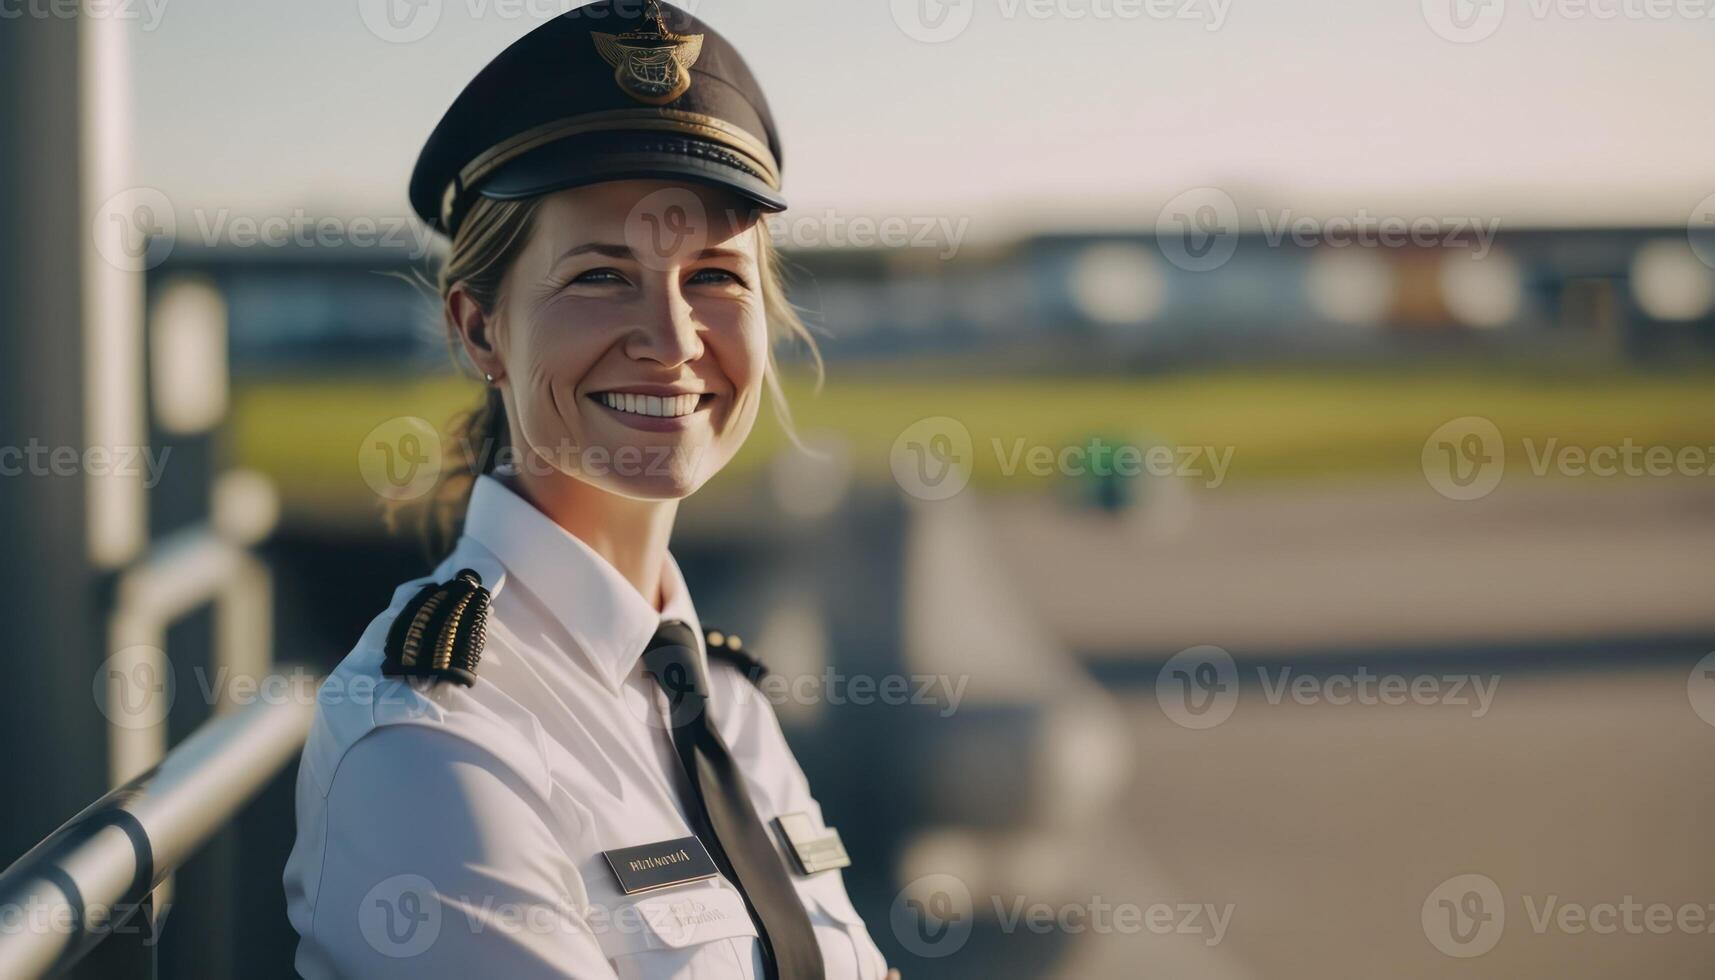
{"x":288,"y":320}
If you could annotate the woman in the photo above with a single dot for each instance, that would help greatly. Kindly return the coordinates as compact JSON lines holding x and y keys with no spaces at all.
{"x":535,"y":763}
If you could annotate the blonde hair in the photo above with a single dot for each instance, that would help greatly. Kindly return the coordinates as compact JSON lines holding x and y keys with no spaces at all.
{"x":482,"y":250}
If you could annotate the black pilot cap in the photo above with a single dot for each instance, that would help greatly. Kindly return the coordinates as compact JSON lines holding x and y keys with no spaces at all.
{"x":613,"y":90}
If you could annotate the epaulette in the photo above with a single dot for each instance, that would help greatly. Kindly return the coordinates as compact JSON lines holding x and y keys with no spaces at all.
{"x":729,"y":648}
{"x":440,"y":632}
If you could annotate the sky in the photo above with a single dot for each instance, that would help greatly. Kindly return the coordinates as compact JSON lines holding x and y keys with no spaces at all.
{"x":1015,"y":115}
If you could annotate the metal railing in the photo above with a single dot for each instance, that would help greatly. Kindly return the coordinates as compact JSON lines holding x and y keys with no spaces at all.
{"x":93,"y":877}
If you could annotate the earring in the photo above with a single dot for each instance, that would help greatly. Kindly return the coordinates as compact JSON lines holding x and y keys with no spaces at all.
{"x":489,"y":378}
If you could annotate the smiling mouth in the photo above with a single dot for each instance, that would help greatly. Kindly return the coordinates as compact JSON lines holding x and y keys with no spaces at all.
{"x":653,"y":406}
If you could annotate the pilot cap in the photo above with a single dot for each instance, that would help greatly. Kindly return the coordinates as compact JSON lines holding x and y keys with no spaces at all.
{"x":614,"y":90}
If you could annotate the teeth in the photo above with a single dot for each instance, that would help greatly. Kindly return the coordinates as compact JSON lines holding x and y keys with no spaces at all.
{"x":660,"y":406}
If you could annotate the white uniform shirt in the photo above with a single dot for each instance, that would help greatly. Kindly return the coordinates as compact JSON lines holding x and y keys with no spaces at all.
{"x":450,"y":831}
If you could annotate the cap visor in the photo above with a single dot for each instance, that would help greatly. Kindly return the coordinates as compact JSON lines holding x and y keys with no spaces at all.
{"x":576,"y":163}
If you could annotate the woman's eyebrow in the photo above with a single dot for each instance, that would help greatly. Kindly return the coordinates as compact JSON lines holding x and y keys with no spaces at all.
{"x":599,"y":248}
{"x":613,"y":251}
{"x":719,"y":252}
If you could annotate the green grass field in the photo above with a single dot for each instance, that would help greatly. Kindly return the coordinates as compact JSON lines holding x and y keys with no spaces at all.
{"x":1279,"y":423}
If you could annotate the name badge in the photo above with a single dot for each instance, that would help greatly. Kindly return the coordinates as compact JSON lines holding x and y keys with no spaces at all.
{"x":812,"y":851}
{"x":647,"y":867}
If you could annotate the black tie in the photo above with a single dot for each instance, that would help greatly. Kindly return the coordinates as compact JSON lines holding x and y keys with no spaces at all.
{"x":734,"y":833}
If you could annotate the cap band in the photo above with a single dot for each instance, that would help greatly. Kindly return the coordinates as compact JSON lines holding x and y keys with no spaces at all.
{"x":678,"y":121}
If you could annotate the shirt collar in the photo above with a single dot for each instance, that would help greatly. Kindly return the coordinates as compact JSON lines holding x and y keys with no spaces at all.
{"x":606,"y":616}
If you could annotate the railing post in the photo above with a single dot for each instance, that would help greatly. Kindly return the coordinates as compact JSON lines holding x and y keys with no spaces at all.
{"x":51,"y":598}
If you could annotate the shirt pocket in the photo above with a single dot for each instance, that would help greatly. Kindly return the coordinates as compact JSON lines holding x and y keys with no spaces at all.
{"x":847,"y":948}
{"x":700,"y":932}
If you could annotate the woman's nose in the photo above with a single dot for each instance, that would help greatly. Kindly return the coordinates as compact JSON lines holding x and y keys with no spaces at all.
{"x":668,"y":334}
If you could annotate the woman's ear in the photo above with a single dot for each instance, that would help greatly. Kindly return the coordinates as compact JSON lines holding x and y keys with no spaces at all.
{"x":476,"y":332}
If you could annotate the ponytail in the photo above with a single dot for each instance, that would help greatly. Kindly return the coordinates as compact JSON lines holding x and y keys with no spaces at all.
{"x":487,"y":241}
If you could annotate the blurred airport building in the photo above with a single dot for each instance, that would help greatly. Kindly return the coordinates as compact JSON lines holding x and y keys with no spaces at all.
{"x":1076,"y":302}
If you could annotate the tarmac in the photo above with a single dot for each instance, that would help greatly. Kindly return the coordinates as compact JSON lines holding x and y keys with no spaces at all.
{"x":1422,"y":689}
{"x":1326,"y":827}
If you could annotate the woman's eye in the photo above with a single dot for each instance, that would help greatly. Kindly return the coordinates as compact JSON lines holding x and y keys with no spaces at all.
{"x":716,"y":277}
{"x":597,"y":277}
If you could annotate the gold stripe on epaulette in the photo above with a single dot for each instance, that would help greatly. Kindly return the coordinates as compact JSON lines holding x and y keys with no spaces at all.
{"x":419,"y":626}
{"x":449,"y":632}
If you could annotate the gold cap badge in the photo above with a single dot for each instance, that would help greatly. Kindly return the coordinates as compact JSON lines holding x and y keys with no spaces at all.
{"x":652,"y":65}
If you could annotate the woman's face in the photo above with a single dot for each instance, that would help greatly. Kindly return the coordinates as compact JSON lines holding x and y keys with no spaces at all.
{"x":631,"y":333}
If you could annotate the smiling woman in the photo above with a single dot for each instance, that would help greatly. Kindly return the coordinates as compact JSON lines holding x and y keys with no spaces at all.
{"x":559,"y":773}
{"x":496,"y":244}
{"x":582,"y":319}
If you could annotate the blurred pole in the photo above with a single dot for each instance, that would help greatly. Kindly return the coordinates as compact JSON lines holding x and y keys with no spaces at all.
{"x":50,"y":595}
{"x":61,"y":345}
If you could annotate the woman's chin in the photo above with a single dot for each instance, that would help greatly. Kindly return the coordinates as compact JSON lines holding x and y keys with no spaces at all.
{"x":659,"y":468}
{"x":644,"y":472}
{"x":650,"y":487}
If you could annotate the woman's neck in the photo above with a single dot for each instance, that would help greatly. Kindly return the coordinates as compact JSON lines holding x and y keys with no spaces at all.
{"x":631,"y":534}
